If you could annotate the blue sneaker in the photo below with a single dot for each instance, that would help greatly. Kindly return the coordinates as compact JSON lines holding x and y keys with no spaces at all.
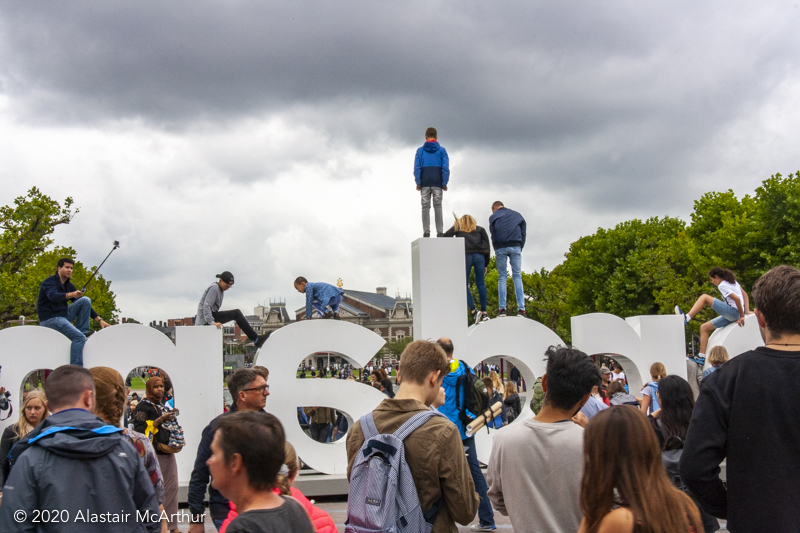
{"x":700,"y":359}
{"x":680,"y":313}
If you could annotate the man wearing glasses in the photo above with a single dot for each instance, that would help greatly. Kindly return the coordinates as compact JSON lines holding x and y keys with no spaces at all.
{"x":208,"y":310}
{"x":249,"y":391}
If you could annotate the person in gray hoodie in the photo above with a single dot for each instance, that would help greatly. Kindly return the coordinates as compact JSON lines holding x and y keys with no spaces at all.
{"x":208,"y":310}
{"x":75,"y":472}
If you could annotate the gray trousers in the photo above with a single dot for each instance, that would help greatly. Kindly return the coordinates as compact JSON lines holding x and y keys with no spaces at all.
{"x":435,"y":193}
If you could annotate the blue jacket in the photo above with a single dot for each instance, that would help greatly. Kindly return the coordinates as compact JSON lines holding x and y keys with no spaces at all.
{"x":75,"y":462}
{"x":320,"y":292}
{"x":52,"y":300}
{"x":431,"y":165}
{"x":507,"y":228}
{"x":449,"y":408}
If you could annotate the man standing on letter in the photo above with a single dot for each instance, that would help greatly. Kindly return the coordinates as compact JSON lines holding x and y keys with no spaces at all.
{"x":508,"y":238}
{"x":431,"y":172}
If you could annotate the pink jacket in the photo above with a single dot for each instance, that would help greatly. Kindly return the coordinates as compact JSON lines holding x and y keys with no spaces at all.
{"x":323,"y":523}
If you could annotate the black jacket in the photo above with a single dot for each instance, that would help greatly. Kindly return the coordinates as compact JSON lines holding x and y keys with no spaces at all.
{"x":475,"y":242}
{"x":52,"y":300}
{"x":508,"y":228}
{"x":7,"y":442}
{"x":75,"y":462}
{"x":217,"y":503}
{"x":512,"y":403}
{"x":747,"y":412}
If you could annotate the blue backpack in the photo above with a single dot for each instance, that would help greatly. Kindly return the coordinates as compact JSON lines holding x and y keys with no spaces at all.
{"x":383,"y":497}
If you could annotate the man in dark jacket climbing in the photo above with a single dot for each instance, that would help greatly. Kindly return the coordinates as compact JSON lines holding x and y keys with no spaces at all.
{"x":508,"y":238}
{"x":78,"y":467}
{"x":431,"y":172}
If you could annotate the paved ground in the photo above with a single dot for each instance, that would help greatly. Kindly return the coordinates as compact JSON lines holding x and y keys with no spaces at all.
{"x":338,"y":511}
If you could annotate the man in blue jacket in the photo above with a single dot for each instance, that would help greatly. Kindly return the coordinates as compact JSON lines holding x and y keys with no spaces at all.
{"x":453,"y":398}
{"x":508,"y":238}
{"x":55,"y":312}
{"x":78,"y":467}
{"x":431,"y":172}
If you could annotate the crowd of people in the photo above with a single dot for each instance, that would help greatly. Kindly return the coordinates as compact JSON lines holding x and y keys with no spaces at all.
{"x":632,"y":461}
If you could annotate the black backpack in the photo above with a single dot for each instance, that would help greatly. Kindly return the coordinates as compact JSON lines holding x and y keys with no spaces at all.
{"x":475,"y":395}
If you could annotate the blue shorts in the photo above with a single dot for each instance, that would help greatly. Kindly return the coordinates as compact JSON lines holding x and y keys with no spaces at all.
{"x":727,"y":314}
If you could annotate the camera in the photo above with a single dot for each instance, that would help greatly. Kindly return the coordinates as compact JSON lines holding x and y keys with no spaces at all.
{"x":5,"y":401}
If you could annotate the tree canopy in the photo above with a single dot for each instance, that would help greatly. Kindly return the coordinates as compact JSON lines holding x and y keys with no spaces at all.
{"x":26,"y":258}
{"x":642,"y":267}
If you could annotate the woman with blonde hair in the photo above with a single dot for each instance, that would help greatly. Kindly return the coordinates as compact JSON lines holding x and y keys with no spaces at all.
{"x":511,"y":401}
{"x":649,"y":401}
{"x":496,"y":381}
{"x":717,"y":357}
{"x":33,"y":413}
{"x":477,"y":248}
{"x":624,"y":486}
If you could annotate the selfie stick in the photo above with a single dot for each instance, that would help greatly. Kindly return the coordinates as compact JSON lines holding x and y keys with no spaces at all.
{"x":116,"y":245}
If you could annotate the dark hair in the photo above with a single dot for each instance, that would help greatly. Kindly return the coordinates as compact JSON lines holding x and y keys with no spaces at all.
{"x":615,"y":388}
{"x":571,"y":374}
{"x":677,"y":403}
{"x":240,"y":380}
{"x":65,"y":385}
{"x":777,"y":296}
{"x":488,"y":382}
{"x":497,"y":204}
{"x":64,"y":260}
{"x":431,"y":133}
{"x":299,"y":280}
{"x":258,"y":437}
{"x":723,"y":273}
{"x":622,"y":461}
{"x":419,"y":359}
{"x":446,"y":345}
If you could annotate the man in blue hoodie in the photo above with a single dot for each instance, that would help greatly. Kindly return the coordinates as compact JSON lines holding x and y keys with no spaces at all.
{"x":508,"y":238}
{"x":77,"y":466}
{"x":453,"y":398}
{"x":431,"y":172}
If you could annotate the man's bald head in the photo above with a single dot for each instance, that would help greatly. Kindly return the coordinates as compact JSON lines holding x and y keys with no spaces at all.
{"x":446,"y":345}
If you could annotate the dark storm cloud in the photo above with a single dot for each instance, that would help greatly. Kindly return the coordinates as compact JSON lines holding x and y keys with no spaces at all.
{"x":602,"y":99}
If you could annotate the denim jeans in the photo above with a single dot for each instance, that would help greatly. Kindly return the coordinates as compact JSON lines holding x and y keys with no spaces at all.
{"x":320,"y":432}
{"x":427,"y":194}
{"x":478,"y":262}
{"x":514,"y":253}
{"x":485,"y":512}
{"x":333,"y":303}
{"x":81,"y":312}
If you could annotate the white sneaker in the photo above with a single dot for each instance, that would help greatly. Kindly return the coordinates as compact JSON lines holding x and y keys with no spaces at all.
{"x":485,"y":318}
{"x":478,"y":315}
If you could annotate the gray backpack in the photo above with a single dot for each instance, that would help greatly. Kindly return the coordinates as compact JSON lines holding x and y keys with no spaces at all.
{"x":383,"y":497}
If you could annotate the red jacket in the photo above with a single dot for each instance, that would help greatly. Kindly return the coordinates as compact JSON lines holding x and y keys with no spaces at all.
{"x":323,"y":523}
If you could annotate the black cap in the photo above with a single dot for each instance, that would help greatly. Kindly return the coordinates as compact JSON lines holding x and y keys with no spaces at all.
{"x":226,"y":276}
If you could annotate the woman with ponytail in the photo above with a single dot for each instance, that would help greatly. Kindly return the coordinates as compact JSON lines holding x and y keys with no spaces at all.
{"x":476,"y":245}
{"x":323,"y":523}
{"x":110,"y":397}
{"x":625,"y":488}
{"x":733,"y":307}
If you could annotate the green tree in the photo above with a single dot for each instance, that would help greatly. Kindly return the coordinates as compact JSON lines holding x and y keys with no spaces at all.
{"x":777,"y":221}
{"x":395,"y":348}
{"x":27,"y":229}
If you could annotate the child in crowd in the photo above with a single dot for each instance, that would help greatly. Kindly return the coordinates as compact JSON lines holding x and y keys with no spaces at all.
{"x":494,"y":397}
{"x":248,"y":452}
{"x":624,"y":487}
{"x":732,"y":308}
{"x":649,"y":401}
{"x":322,"y":521}
{"x":618,"y":396}
{"x":320,"y":296}
{"x":716,"y":358}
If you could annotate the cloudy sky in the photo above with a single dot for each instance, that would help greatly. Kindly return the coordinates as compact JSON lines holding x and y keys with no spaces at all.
{"x":277,"y":140}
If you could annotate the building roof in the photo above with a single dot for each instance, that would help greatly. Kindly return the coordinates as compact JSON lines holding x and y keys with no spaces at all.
{"x":381,"y":301}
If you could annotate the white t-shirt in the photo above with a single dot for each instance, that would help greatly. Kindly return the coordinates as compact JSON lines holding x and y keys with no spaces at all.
{"x":615,"y":376}
{"x":731,"y":288}
{"x":534,"y":475}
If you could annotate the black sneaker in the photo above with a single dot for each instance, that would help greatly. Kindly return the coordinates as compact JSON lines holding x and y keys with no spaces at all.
{"x":522,"y":313}
{"x":501,"y":312}
{"x":426,"y":234}
{"x":336,"y":316}
{"x":440,"y":234}
{"x":262,"y":339}
{"x":329,"y":314}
